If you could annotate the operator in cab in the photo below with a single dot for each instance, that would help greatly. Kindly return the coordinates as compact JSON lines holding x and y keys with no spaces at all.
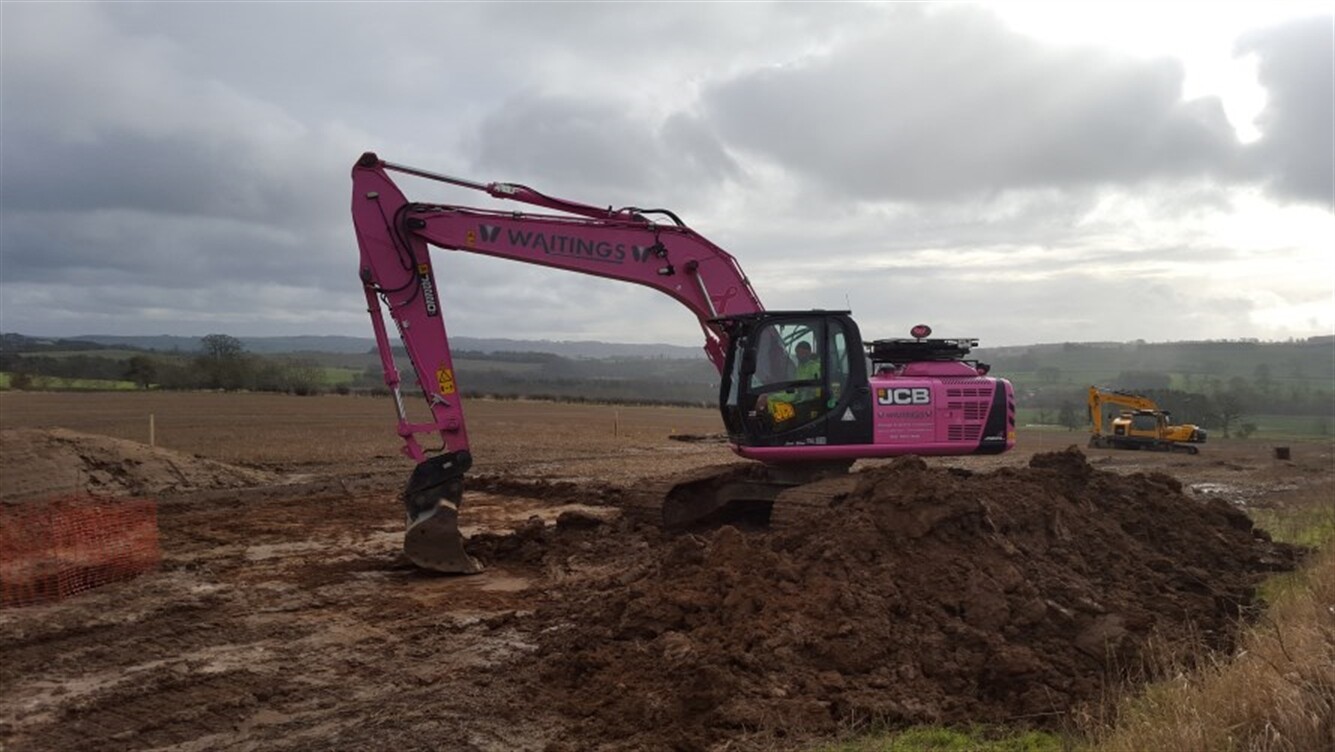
{"x":808,"y":368}
{"x":781,"y":404}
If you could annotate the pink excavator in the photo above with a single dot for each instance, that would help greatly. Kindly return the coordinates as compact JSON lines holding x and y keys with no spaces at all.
{"x":801,"y":392}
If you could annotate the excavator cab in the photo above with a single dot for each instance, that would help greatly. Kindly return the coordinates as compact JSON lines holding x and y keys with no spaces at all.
{"x":795,"y":378}
{"x":804,"y":395}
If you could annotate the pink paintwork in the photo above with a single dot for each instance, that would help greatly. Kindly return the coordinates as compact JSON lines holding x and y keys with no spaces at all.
{"x":928,"y":409}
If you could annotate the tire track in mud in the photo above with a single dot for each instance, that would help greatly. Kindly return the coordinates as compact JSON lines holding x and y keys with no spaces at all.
{"x":124,"y":673}
{"x":277,"y":621}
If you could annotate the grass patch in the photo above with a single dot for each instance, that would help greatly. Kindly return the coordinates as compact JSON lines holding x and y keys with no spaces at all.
{"x":335,"y":375}
{"x":477,"y":365}
{"x":1278,"y":427}
{"x":60,"y":384}
{"x":1276,"y":693}
{"x":109,"y":354}
{"x":1303,"y":517}
{"x":1046,"y":420}
{"x":1313,"y":527}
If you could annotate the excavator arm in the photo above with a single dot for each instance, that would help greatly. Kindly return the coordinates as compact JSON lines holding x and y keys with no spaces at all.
{"x":398,"y":275}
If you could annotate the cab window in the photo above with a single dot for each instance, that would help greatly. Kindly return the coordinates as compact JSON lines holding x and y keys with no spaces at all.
{"x":1144,"y":422}
{"x":837,"y":349}
{"x":801,"y":371}
{"x":777,"y":348}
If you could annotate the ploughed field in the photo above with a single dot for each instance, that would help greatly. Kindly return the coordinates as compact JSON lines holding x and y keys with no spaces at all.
{"x":1012,"y":589}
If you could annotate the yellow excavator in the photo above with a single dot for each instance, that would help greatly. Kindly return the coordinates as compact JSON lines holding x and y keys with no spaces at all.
{"x":1140,"y":425}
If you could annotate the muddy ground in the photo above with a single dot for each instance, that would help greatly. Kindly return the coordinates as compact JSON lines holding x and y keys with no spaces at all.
{"x":1013,"y":589}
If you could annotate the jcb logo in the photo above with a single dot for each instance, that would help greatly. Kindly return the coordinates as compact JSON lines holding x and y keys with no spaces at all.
{"x":920,"y":395}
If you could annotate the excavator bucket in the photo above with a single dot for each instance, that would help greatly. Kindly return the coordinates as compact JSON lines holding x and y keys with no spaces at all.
{"x":435,"y":491}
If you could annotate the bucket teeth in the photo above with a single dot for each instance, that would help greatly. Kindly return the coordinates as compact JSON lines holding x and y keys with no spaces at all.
{"x":433,"y":542}
{"x":432,"y":498}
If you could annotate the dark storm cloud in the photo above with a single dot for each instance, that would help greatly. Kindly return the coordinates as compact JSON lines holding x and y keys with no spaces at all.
{"x":183,"y":167}
{"x":174,"y":173}
{"x":992,"y":303}
{"x":106,"y":248}
{"x":939,"y":105}
{"x":597,"y":148}
{"x":119,"y":173}
{"x":1296,"y":65}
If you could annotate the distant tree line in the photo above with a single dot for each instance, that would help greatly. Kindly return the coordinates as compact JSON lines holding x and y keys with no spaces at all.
{"x":1223,"y":387}
{"x":24,"y":368}
{"x":11,"y":342}
{"x":223,"y":363}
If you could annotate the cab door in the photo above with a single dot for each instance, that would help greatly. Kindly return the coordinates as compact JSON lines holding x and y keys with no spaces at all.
{"x":774,"y":398}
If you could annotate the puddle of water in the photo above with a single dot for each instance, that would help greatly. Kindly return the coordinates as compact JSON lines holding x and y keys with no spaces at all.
{"x":1237,"y":495}
{"x":1217,"y":489}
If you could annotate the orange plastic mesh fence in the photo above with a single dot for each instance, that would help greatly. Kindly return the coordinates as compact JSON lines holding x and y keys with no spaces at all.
{"x":53,"y":549}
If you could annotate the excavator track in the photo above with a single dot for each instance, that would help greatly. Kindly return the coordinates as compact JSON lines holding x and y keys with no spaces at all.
{"x":800,"y":505}
{"x":1177,"y":447}
{"x":644,"y":501}
{"x":742,"y":494}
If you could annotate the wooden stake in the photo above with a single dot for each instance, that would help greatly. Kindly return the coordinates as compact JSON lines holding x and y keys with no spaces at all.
{"x":152,"y":431}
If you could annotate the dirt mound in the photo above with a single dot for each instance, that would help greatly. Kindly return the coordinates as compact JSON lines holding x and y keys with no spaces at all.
{"x":925,"y":595}
{"x":42,"y":462}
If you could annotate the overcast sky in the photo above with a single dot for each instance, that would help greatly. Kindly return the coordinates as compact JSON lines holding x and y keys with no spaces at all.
{"x":1019,"y":173}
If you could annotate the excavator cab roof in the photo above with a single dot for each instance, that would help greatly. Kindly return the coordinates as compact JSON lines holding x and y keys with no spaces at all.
{"x":756,"y":316}
{"x":918,"y":350}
